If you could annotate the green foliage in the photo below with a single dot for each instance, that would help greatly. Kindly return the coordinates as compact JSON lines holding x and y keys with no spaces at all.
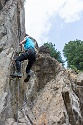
{"x":54,"y":53}
{"x":74,"y":68}
{"x":73,"y":52}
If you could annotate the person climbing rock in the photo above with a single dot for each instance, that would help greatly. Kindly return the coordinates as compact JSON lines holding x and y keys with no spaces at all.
{"x":28,"y":54}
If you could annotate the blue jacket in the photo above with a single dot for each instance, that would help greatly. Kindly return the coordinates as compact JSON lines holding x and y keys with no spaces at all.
{"x":29,"y":43}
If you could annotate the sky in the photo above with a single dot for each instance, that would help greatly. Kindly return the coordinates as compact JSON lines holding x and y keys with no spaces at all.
{"x":55,"y":21}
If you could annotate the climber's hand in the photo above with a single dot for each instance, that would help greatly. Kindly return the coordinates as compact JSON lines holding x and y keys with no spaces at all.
{"x":20,"y":43}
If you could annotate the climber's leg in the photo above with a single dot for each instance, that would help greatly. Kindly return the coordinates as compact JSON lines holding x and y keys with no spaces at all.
{"x":18,"y":66}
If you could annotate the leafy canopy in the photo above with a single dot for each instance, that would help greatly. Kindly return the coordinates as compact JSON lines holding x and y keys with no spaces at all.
{"x":73,"y":52}
{"x":53,"y":52}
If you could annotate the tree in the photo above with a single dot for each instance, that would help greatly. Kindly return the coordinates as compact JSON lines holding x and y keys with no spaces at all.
{"x":53,"y":52}
{"x":73,"y":52}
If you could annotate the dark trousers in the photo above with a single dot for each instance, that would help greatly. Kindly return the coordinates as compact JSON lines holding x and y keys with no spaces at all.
{"x":30,"y":55}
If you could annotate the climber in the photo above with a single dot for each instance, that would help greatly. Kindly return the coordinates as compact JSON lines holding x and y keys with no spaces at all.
{"x":28,"y":54}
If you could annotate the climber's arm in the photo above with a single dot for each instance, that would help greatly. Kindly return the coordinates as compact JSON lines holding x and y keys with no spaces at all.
{"x":22,"y":42}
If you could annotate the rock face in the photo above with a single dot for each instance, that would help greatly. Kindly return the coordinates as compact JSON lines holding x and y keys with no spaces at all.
{"x":2,"y":3}
{"x":59,"y":100}
{"x":12,"y":29}
{"x":53,"y":95}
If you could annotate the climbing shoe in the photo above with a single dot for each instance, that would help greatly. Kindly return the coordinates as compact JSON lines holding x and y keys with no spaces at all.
{"x":17,"y":74}
{"x":28,"y":76}
{"x":31,"y":72}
